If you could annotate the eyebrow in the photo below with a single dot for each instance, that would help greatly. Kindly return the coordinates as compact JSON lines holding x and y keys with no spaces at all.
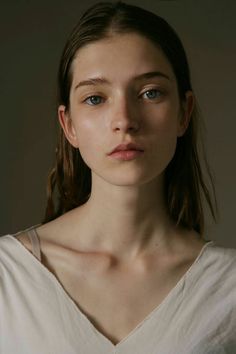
{"x":101,"y":80}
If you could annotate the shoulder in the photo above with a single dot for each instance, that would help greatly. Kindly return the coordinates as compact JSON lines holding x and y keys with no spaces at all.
{"x":8,"y":257}
{"x":224,"y":256}
{"x":216,"y":272}
{"x":224,"y":264}
{"x":220,"y":260}
{"x":210,"y":290}
{"x":11,"y":247}
{"x":23,"y":238}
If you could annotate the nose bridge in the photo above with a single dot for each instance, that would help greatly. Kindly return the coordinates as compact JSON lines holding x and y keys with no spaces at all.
{"x":124,"y":113}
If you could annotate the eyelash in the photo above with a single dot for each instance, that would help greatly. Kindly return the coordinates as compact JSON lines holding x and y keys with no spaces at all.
{"x":102,"y":99}
{"x":90,"y":97}
{"x":153,"y":90}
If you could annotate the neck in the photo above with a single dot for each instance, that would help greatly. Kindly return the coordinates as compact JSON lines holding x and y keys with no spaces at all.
{"x":126,"y":221}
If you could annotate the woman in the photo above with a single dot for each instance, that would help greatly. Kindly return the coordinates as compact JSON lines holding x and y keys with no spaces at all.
{"x":120,"y":263}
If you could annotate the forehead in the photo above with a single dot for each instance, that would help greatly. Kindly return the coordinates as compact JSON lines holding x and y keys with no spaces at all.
{"x":119,"y":57}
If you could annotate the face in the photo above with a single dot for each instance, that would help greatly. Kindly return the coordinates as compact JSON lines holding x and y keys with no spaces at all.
{"x":124,"y":90}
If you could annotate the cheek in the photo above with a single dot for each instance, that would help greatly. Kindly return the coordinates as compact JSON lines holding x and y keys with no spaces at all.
{"x":163,"y":146}
{"x":165,"y":121}
{"x":88,"y":137}
{"x":164,"y":133}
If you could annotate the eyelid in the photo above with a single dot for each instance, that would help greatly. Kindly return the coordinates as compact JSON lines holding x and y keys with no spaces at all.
{"x":157,"y":88}
{"x":88,"y":95}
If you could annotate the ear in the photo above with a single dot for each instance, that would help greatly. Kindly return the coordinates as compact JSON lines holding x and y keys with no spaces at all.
{"x":186,"y":112}
{"x":67,"y":126}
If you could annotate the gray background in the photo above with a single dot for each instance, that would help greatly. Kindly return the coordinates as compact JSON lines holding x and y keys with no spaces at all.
{"x":32,"y":35}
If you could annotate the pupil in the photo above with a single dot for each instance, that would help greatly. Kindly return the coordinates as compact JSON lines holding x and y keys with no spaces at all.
{"x":95,"y":99}
{"x":151,"y":94}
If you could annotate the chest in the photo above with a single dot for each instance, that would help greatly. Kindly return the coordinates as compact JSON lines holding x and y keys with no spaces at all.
{"x":116,"y":301}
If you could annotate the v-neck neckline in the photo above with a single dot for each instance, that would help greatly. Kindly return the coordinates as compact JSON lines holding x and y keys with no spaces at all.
{"x":76,"y":309}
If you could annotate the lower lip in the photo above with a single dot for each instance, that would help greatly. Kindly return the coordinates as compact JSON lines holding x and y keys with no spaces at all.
{"x":126,"y":154}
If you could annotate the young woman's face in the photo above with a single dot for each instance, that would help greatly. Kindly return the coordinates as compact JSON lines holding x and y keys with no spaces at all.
{"x":124,"y":90}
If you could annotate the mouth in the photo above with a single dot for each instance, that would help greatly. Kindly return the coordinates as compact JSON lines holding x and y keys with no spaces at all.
{"x":126,"y":147}
{"x":126,"y":155}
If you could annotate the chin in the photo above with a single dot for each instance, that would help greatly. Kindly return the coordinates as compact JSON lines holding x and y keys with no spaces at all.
{"x":127,"y":179}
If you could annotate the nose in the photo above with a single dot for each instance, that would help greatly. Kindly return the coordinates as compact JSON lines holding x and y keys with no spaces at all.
{"x":125,"y":117}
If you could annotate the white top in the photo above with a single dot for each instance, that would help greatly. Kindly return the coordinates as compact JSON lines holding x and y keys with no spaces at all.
{"x":37,"y":316}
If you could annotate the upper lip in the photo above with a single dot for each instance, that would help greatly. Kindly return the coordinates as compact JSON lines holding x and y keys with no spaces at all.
{"x":129,"y":146}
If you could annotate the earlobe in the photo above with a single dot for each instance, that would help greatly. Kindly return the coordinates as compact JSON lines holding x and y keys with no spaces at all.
{"x":187,"y":110}
{"x":67,"y":126}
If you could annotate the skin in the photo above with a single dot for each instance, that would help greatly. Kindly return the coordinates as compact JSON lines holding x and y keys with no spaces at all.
{"x":121,"y":247}
{"x":130,"y":191}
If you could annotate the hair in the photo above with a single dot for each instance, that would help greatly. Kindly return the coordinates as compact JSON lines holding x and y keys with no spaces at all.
{"x":69,"y":182}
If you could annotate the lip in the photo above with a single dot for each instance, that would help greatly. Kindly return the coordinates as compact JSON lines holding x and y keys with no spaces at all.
{"x":126,"y":147}
{"x":126,"y":155}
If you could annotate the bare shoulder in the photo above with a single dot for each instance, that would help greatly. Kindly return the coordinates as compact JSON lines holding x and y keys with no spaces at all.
{"x":60,"y":231}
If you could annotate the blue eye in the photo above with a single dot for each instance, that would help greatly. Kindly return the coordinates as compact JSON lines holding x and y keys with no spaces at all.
{"x":94,"y":100}
{"x":152,"y":94}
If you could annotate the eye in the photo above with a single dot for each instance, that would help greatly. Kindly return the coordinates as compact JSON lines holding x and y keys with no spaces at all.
{"x":94,"y":100}
{"x":152,"y":94}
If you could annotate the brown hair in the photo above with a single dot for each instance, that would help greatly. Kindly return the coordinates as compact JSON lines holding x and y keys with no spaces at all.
{"x":69,"y":183}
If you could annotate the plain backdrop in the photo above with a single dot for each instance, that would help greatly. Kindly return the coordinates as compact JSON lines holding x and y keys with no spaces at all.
{"x":32,"y":35}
